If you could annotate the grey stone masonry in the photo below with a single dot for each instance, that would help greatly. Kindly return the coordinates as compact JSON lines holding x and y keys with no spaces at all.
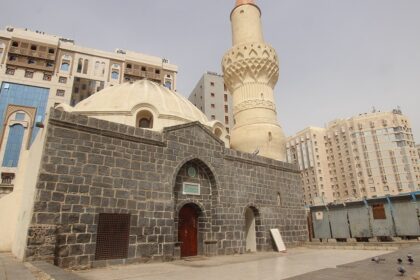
{"x":91,"y":166}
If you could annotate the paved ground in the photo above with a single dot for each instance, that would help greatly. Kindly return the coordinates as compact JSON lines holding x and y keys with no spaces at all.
{"x":296,"y":264}
{"x":261,"y":266}
{"x":12,"y":269}
{"x":386,"y":269}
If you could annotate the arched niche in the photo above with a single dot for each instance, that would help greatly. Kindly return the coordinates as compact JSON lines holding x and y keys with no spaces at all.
{"x":252,"y":229}
{"x":195,"y":185}
{"x":144,"y":119}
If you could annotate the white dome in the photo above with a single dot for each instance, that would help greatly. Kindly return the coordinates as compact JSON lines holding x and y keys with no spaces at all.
{"x":131,"y":103}
{"x":127,"y":98}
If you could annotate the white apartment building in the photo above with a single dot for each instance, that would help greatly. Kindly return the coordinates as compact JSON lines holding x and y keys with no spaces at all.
{"x":213,"y":99}
{"x":38,"y":71}
{"x":366,"y":156}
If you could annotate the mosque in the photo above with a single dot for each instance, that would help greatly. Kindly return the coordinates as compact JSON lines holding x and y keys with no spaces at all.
{"x":136,"y":172}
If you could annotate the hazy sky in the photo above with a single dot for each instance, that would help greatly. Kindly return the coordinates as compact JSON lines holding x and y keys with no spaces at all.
{"x":338,"y":58}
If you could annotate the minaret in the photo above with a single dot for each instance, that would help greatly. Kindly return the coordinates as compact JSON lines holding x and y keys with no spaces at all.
{"x":251,"y":70}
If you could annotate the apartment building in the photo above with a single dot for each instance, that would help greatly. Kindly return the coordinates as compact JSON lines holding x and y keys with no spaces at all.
{"x":38,"y":71}
{"x":366,"y":156}
{"x":211,"y":96}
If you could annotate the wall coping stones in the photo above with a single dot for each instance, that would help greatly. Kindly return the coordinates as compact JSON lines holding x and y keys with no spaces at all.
{"x":139,"y":135}
{"x":190,"y":124}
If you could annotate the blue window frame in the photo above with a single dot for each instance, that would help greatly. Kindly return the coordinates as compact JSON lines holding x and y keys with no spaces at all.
{"x":20,"y":116}
{"x":23,"y":95}
{"x":13,"y":146}
{"x":115,"y":75}
{"x":64,"y":66}
{"x":168,"y":85}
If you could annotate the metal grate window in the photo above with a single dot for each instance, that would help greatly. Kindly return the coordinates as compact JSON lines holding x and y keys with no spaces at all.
{"x":113,"y":236}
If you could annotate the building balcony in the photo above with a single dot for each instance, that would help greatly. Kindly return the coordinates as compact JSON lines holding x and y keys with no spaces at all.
{"x":31,"y":53}
{"x":21,"y":61}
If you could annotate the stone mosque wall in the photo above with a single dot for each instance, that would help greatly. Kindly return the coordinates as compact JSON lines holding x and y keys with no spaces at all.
{"x":91,"y":168}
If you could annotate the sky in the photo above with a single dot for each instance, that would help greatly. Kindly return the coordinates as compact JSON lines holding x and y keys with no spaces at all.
{"x":338,"y":58}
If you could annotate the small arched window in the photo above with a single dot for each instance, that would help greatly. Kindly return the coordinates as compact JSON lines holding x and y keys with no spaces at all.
{"x":168,"y":84}
{"x":279,"y":203}
{"x":1,"y":48}
{"x":218,"y":132}
{"x":79,"y":65}
{"x":65,"y":66}
{"x":85,"y":66}
{"x":145,"y":119}
{"x":115,"y":75}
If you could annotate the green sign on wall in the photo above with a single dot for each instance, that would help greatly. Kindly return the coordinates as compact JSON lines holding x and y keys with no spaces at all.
{"x":191,"y":189}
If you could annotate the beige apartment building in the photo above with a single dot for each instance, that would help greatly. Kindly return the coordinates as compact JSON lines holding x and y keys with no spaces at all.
{"x":38,"y":71}
{"x":369,"y":155}
{"x":211,"y":96}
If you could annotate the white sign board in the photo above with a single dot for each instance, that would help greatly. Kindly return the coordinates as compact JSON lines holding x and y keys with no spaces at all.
{"x":319,"y":215}
{"x":275,"y":233}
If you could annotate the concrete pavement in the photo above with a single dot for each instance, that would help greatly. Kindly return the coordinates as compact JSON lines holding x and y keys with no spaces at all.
{"x":261,"y":266}
{"x":12,"y":269}
{"x":296,"y":264}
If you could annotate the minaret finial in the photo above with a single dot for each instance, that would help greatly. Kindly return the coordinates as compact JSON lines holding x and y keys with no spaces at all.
{"x":243,"y":2}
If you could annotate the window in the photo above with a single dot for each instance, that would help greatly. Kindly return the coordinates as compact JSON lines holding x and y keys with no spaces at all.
{"x":213,"y":117}
{"x":168,"y":84}
{"x":112,"y":238}
{"x":79,"y":65}
{"x":212,"y":84}
{"x":10,"y":71}
{"x":49,"y":64}
{"x":226,"y":97}
{"x":85,"y":66}
{"x":51,"y":51}
{"x":226,"y":109}
{"x":29,"y":74}
{"x":33,"y":47}
{"x":213,"y":106}
{"x":19,"y":116}
{"x":12,"y":57}
{"x":226,"y":120}
{"x":13,"y":146}
{"x":15,"y":44}
{"x":212,"y":94}
{"x":224,"y":87}
{"x":129,"y":66}
{"x":46,"y":77}
{"x":115,"y":75}
{"x":62,"y":80}
{"x":279,"y":199}
{"x":157,"y":71}
{"x":378,"y":211}
{"x":143,"y":69}
{"x":60,"y":92}
{"x":65,"y":66}
{"x":145,"y":119}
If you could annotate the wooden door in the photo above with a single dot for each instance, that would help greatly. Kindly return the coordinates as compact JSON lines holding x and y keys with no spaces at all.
{"x":187,"y":231}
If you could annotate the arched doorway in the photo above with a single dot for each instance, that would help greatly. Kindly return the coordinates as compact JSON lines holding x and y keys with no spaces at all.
{"x":250,"y":232}
{"x":188,"y":230}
